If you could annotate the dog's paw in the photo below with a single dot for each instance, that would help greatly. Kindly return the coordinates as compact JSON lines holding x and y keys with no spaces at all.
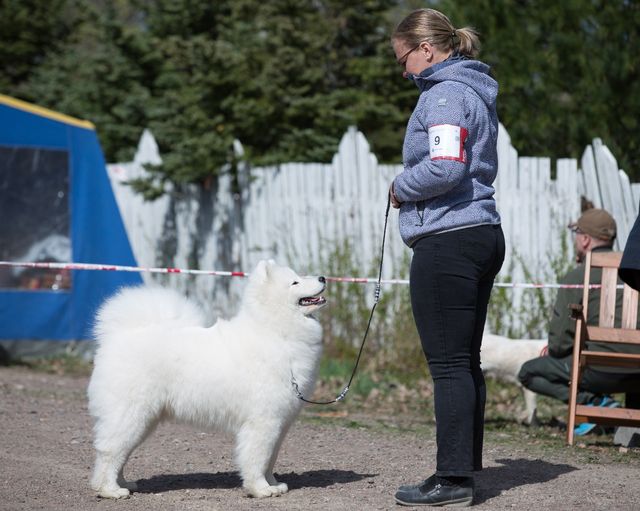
{"x":113,"y":493}
{"x":282,"y":487}
{"x":268,"y":491}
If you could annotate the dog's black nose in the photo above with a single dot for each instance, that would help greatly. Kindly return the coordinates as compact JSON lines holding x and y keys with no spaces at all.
{"x":322,"y":279}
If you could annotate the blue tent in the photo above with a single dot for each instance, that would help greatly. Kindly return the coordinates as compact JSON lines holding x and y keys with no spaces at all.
{"x":56,"y":204}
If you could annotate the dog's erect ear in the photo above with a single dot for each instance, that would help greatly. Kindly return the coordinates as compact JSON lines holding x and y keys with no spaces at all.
{"x":262,"y":270}
{"x":270,"y":266}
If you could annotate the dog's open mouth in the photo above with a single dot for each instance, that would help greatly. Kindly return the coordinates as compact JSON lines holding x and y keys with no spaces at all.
{"x":312,"y":300}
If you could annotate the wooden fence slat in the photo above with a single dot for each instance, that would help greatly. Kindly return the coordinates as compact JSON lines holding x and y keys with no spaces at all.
{"x":590,"y":179}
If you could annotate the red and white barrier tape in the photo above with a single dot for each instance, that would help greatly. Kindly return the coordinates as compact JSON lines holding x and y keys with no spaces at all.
{"x":356,"y":280}
{"x":111,"y":267}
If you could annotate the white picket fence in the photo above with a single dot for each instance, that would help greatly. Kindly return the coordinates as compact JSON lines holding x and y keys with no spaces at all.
{"x":300,"y":213}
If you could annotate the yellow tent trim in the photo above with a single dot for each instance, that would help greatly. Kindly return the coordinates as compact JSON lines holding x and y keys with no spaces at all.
{"x":45,"y":112}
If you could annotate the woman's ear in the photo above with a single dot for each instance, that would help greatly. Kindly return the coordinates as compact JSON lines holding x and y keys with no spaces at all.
{"x":427,"y":50}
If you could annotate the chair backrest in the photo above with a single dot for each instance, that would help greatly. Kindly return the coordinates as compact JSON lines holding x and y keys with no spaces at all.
{"x":609,"y":262}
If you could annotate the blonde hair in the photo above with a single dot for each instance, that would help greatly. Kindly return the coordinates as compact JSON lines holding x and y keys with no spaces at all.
{"x":433,"y":26}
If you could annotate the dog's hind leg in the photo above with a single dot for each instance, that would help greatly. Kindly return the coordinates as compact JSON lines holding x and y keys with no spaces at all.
{"x":116,"y":438}
{"x":256,"y":447}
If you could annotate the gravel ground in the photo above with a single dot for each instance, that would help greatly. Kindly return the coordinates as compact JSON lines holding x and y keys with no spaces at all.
{"x":331,"y":460}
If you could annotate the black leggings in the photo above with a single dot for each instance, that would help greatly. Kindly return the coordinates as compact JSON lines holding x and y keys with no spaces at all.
{"x":451,"y":279}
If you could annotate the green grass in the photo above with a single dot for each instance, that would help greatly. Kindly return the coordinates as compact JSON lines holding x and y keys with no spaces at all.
{"x":69,"y":365}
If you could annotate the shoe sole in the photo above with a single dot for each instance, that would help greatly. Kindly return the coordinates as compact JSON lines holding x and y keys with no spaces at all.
{"x":466,"y":502}
{"x":585,"y":431}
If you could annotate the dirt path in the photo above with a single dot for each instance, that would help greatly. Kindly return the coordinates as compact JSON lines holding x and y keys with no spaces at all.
{"x":338,"y":463}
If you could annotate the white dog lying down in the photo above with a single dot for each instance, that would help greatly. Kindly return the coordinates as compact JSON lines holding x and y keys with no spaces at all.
{"x":157,"y":360}
{"x":502,"y":358}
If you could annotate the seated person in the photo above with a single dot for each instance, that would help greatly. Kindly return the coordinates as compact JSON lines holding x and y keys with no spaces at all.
{"x":549,"y":375}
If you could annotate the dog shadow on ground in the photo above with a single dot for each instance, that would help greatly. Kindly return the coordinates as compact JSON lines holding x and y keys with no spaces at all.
{"x":321,"y":478}
{"x":228,"y":480}
{"x":492,"y":481}
{"x":193,"y":481}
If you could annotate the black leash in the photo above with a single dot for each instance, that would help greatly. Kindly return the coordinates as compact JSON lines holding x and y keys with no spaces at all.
{"x":343,"y":394}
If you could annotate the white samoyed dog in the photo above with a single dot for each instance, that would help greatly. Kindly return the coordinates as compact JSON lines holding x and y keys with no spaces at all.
{"x":502,"y":359}
{"x":156,"y":359}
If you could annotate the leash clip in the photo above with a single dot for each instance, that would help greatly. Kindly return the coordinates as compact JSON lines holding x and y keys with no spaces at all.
{"x":342,"y":394}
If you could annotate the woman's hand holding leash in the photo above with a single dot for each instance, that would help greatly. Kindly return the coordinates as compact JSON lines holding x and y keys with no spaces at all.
{"x":394,"y":200}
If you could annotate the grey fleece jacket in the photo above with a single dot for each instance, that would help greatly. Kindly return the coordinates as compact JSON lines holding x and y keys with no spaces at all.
{"x":449,"y":155}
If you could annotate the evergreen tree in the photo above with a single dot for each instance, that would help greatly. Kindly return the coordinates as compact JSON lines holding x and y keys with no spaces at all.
{"x":568,"y":72}
{"x":99,"y":73}
{"x":29,"y":31}
{"x":287,"y":77}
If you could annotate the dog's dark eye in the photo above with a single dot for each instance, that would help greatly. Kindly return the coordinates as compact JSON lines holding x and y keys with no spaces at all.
{"x":295,"y":283}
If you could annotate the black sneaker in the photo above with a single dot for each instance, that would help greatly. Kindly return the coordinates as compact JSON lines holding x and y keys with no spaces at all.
{"x":432,"y":493}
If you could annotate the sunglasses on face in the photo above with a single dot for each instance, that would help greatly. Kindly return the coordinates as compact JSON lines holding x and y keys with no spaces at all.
{"x":402,"y":61}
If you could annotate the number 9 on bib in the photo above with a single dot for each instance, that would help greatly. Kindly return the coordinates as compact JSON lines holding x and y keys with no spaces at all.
{"x":446,"y":142}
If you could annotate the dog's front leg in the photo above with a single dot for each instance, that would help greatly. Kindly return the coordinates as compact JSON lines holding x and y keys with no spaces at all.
{"x":256,"y":447}
{"x":274,"y":456}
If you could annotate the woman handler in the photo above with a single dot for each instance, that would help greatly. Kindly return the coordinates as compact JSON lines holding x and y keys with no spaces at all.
{"x":448,"y":217}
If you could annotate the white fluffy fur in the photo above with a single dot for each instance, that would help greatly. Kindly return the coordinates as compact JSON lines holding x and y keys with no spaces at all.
{"x":502,"y":358}
{"x":156,"y":359}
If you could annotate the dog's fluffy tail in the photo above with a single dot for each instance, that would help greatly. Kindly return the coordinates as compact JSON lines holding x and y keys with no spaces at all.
{"x":135,"y":307}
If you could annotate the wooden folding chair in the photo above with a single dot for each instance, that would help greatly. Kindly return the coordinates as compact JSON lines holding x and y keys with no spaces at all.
{"x":605,"y":332}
